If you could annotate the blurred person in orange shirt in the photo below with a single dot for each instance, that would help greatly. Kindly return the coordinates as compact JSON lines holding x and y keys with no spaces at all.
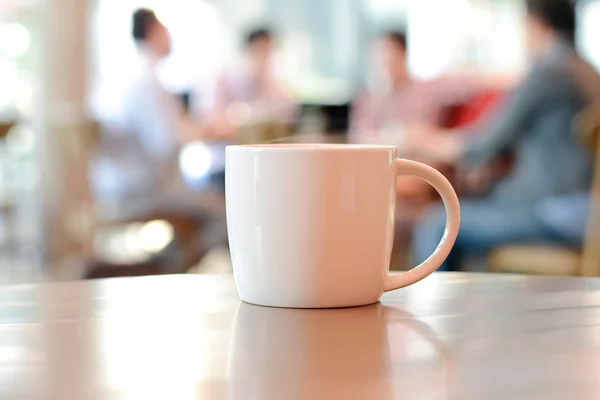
{"x":139,"y":148}
{"x":251,"y":91}
{"x":536,"y":123}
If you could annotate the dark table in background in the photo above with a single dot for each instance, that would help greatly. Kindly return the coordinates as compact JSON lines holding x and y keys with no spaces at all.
{"x":452,"y":336}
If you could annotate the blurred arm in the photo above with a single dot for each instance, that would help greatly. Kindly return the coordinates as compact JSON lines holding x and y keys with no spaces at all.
{"x":162,"y":123}
{"x":509,"y":122}
{"x":459,"y":87}
{"x":475,"y":147}
{"x":454,"y":89}
{"x":223,"y":96}
{"x":155,"y":120}
{"x":362,"y":120}
{"x":218,"y":127}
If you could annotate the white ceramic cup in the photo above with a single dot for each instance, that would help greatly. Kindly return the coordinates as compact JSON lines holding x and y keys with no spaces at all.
{"x":312,"y":225}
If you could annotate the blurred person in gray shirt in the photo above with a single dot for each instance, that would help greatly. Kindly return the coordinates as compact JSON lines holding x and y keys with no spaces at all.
{"x":536,"y":123}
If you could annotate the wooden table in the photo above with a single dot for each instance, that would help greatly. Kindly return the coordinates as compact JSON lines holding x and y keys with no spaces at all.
{"x":452,"y":336}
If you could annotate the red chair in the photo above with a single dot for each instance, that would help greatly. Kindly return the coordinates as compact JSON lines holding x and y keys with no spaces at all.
{"x":477,"y":107}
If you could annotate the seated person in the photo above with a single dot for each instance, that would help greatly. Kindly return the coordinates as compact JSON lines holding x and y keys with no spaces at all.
{"x":400,"y":103}
{"x":536,"y":122}
{"x":251,"y":92}
{"x":247,"y":101}
{"x":138,"y":150}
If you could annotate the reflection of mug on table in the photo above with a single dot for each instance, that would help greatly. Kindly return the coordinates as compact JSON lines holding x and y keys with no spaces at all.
{"x":323,"y":354}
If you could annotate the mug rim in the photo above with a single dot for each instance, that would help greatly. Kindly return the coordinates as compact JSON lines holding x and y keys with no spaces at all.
{"x":308,"y":146}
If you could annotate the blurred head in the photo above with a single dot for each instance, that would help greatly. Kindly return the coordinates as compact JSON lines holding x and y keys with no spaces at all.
{"x":549,"y":18}
{"x":259,"y":48}
{"x":148,"y":29}
{"x":391,"y":54}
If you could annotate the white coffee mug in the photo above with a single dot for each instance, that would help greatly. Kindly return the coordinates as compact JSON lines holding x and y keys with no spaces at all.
{"x":312,"y":225}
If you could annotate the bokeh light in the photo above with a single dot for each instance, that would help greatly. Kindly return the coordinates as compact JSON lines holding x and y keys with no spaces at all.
{"x":195,"y":160}
{"x":155,"y":236}
{"x":15,"y":40}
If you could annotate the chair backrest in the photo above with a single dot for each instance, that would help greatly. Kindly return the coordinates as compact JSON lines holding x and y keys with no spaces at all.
{"x":263,"y":133}
{"x":5,"y":127}
{"x":589,"y":126}
{"x":79,"y":138}
{"x":472,"y":110}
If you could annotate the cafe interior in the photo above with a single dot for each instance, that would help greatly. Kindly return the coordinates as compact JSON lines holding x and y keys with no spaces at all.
{"x":64,"y":74}
{"x":116,"y":279}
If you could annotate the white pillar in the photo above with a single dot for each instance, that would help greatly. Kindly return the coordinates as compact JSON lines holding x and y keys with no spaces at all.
{"x":64,"y":44}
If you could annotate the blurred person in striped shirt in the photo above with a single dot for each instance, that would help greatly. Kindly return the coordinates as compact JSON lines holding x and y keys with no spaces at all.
{"x":398,"y":101}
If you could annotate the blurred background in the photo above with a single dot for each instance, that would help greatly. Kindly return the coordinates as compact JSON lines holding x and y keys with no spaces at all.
{"x":113,"y":121}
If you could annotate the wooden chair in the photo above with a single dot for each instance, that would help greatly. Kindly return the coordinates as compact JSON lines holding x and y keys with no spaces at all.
{"x":271,"y":131}
{"x":5,"y":127}
{"x":557,"y":260}
{"x":8,"y":202}
{"x":92,"y":226}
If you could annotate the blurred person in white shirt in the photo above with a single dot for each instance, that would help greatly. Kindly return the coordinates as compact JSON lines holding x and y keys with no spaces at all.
{"x":139,"y":146}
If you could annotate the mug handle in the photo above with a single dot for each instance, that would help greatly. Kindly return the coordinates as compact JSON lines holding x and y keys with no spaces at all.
{"x":450,"y":199}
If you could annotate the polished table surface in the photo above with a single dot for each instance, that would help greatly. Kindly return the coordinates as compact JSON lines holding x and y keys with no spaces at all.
{"x":451,"y":336}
